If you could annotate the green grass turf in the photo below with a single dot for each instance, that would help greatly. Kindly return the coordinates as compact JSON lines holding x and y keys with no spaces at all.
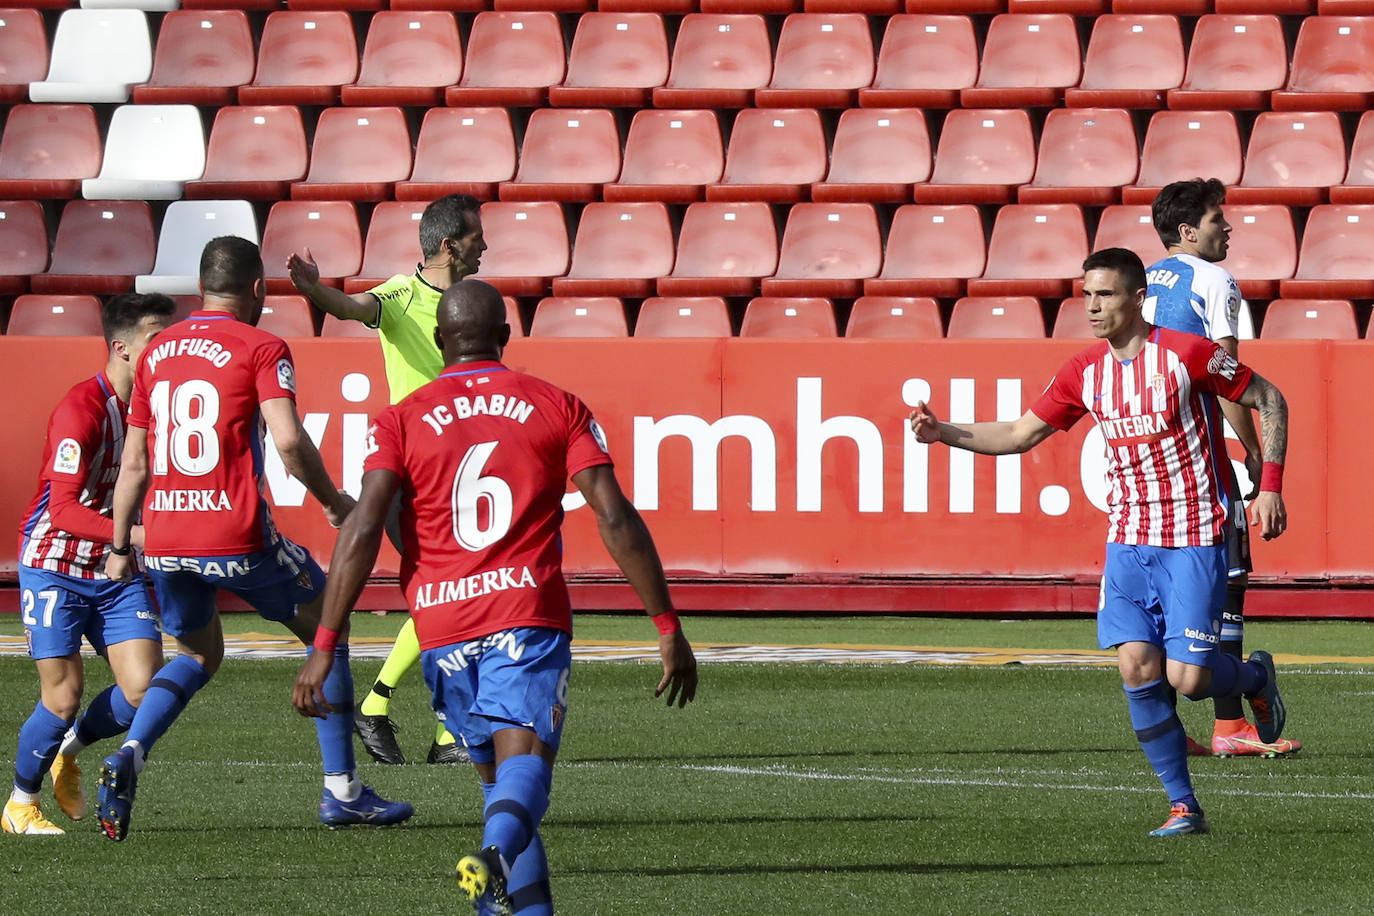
{"x":787,"y":788}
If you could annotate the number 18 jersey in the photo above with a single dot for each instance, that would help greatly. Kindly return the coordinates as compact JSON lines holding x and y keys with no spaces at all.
{"x":484,"y":455}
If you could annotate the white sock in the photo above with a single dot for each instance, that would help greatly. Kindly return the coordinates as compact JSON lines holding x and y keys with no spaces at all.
{"x":345,"y":787}
{"x":70,"y":745}
{"x":140,"y":756}
{"x":20,"y":797}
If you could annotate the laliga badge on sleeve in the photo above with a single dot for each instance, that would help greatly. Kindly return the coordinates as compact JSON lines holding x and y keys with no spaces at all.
{"x":67,"y":458}
{"x":286,"y":375}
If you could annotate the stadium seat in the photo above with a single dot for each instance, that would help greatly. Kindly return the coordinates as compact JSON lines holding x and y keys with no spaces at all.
{"x":983,"y":156}
{"x":23,"y":244}
{"x":906,"y":317}
{"x":1275,"y":7}
{"x":357,"y":154}
{"x":328,"y":228}
{"x":527,"y":246}
{"x":255,"y":153}
{"x":616,"y":61}
{"x":772,"y":316}
{"x":621,"y":249}
{"x":512,"y":60}
{"x":1086,"y":156}
{"x":202,"y":57}
{"x":151,"y":151}
{"x":665,"y":7}
{"x":1184,"y":144}
{"x":723,"y":249}
{"x":303,"y":59}
{"x":1345,"y":7}
{"x":1131,"y":62}
{"x":409,"y":58}
{"x":554,"y":6}
{"x":101,"y":245}
{"x":352,"y":5}
{"x":1358,"y":186}
{"x":1333,"y":66}
{"x":1336,"y":255}
{"x":230,"y":4}
{"x":1071,"y":321}
{"x":961,"y":7}
{"x":923,"y":62}
{"x":996,"y":317}
{"x":775,"y":154}
{"x":718,"y":62}
{"x":23,"y":53}
{"x":392,"y":245}
{"x":822,"y":61}
{"x":764,"y":7}
{"x":828,"y":249}
{"x":461,"y":151}
{"x":1034,"y":250}
{"x":932,"y":250}
{"x":683,"y":316}
{"x":1263,"y":249}
{"x":55,"y":316}
{"x":186,"y":227}
{"x":1304,"y":319}
{"x":1169,"y":7}
{"x":876,"y":156}
{"x":567,"y":154}
{"x":565,"y":316}
{"x":670,"y":155}
{"x":868,"y":7}
{"x":288,"y":316}
{"x":333,"y":327}
{"x":46,"y":150}
{"x":1028,"y":59}
{"x":1130,"y":227}
{"x":97,"y":56}
{"x":1234,"y":63}
{"x":1292,"y":158}
{"x":1072,"y":7}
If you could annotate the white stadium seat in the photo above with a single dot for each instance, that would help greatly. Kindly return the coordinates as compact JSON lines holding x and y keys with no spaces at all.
{"x":97,"y":56}
{"x":186,"y":227}
{"x":151,"y":151}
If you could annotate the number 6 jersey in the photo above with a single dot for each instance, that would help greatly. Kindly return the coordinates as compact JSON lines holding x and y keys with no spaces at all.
{"x":197,"y":391}
{"x":484,"y":455}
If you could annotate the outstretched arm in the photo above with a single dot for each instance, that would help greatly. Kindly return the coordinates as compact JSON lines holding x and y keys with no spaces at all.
{"x":1270,"y":515}
{"x":305,"y":276}
{"x":1001,"y":438}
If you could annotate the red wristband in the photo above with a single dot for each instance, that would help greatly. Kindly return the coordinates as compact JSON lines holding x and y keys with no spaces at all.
{"x":667,"y":623}
{"x":1271,"y":477}
{"x":326,"y":640}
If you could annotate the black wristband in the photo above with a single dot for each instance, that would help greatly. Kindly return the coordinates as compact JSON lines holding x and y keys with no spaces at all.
{"x":119,"y":551}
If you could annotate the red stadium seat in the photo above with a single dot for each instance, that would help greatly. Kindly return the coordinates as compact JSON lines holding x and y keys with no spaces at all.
{"x":1333,"y":66}
{"x":512,"y":59}
{"x":774,"y":155}
{"x":202,"y":58}
{"x":1304,"y":319}
{"x":23,"y":244}
{"x":996,"y":317}
{"x":288,"y":316}
{"x":456,"y":6}
{"x":774,"y":7}
{"x":961,"y":7}
{"x":1170,"y":7}
{"x":983,"y":156}
{"x":1263,"y":250}
{"x":254,"y":153}
{"x":1234,"y":62}
{"x":822,"y":61}
{"x":1184,"y":144}
{"x":718,"y":62}
{"x":674,"y":7}
{"x":355,"y":5}
{"x":1276,"y":7}
{"x":1028,"y":59}
{"x":923,"y":62}
{"x":331,"y":326}
{"x":23,"y":53}
{"x":1072,"y":7}
{"x":357,"y":154}
{"x":1086,"y":156}
{"x":409,"y":58}
{"x":1034,"y":250}
{"x":1072,"y":320}
{"x":1345,"y":7}
{"x":303,"y":59}
{"x":1358,"y":186}
{"x":392,"y":245}
{"x":101,"y":246}
{"x":1336,"y":256}
{"x":906,"y":317}
{"x":670,"y":155}
{"x":527,"y":246}
{"x":55,"y":316}
{"x":616,"y":61}
{"x":1131,"y":62}
{"x":771,"y":316}
{"x":1292,"y":158}
{"x":723,"y":249}
{"x":461,"y":151}
{"x":567,"y":154}
{"x":621,"y":249}
{"x":564,"y":316}
{"x":828,"y":249}
{"x":932,"y":250}
{"x":329,"y":228}
{"x":868,"y":7}
{"x":683,"y":316}
{"x":877,"y":155}
{"x":1130,"y":227}
{"x":46,"y":150}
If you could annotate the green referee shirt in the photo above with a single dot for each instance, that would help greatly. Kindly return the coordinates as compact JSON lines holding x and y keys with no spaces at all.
{"x":406,"y":322}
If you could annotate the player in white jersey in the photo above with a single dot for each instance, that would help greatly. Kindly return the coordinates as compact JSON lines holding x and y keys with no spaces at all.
{"x":1165,"y":568}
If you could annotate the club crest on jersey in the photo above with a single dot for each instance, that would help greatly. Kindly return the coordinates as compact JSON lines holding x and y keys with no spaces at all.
{"x":1222,"y":364}
{"x":1157,"y":384}
{"x":286,"y":375}
{"x":599,"y":435}
{"x":67,"y":457}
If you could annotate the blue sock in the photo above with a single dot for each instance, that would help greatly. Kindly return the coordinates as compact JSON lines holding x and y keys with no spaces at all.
{"x":1232,"y":677}
{"x":528,"y":885}
{"x":517,"y":804}
{"x":1162,"y":738}
{"x":39,"y":738}
{"x":168,"y":693}
{"x":109,"y":714}
{"x":335,"y":731}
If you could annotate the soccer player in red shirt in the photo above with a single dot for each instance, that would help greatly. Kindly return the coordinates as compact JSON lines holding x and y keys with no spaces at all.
{"x":203,"y":392}
{"x":1164,"y":582}
{"x":64,"y":593}
{"x":481,"y":457}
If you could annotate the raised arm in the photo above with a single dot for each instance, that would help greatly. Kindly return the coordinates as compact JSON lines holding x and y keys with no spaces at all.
{"x":305,"y":276}
{"x":1008,"y":437}
{"x":302,"y":459}
{"x":1268,"y":510}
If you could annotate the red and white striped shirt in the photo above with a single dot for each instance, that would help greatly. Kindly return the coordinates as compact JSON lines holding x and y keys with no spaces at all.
{"x":1166,"y":464}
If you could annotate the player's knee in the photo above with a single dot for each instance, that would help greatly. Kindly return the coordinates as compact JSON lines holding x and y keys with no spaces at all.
{"x":1192,"y":681}
{"x":63,"y":701}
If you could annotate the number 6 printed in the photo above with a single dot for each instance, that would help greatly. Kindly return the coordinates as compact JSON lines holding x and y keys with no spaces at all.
{"x":470,"y":489}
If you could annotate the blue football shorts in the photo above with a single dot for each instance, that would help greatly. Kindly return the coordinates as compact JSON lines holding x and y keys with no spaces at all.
{"x":515,"y":677}
{"x":1171,"y":597}
{"x":58,"y":610}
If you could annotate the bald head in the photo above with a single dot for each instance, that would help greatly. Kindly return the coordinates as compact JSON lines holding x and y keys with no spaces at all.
{"x":471,"y":322}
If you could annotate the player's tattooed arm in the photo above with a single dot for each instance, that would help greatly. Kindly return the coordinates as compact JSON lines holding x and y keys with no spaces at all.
{"x":1263,"y":396}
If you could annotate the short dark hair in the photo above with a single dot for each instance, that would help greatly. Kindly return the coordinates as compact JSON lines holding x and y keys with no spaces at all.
{"x":120,"y":315}
{"x":448,"y":218}
{"x":1185,"y":202}
{"x":1122,"y":260}
{"x":229,"y":266}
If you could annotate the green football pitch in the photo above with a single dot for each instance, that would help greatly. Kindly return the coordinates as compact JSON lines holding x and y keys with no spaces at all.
{"x":790,"y":786}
